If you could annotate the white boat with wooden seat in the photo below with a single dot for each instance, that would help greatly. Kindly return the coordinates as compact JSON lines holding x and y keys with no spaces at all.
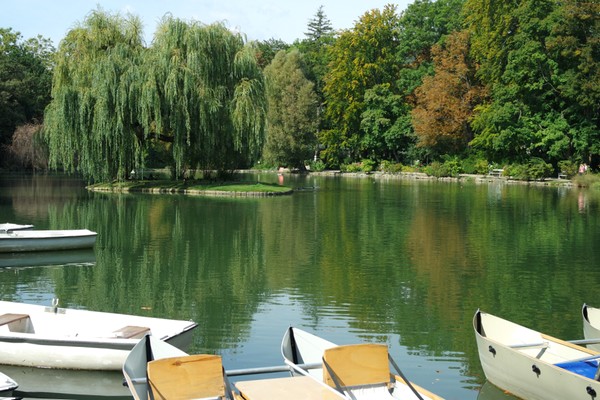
{"x":591,"y":326}
{"x":533,"y":365}
{"x":13,"y":241}
{"x":358,"y":371}
{"x":156,"y":370}
{"x":52,"y":337}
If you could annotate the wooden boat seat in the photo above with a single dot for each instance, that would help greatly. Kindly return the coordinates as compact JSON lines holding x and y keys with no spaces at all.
{"x":356,"y":365}
{"x":17,"y":322}
{"x":197,"y":376}
{"x":131,"y":332}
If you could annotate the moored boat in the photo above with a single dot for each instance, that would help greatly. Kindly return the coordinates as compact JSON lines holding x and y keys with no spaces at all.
{"x":156,"y":370}
{"x":533,"y":365}
{"x":52,"y":337}
{"x":44,"y":240}
{"x":356,"y":371}
{"x":591,"y":326}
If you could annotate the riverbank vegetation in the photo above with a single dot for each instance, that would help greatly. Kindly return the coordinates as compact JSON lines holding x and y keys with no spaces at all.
{"x":444,"y":87}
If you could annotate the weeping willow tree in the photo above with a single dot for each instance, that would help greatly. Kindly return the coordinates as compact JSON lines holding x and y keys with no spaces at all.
{"x":197,"y":89}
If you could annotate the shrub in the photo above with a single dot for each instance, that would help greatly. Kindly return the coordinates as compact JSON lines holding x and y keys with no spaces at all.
{"x":535,"y":169}
{"x":391,"y":167}
{"x":368,"y":165}
{"x":568,"y":167}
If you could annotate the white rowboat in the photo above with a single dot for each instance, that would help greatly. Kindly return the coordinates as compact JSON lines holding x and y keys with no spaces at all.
{"x":44,"y":240}
{"x":532,"y":365}
{"x":157,"y":370}
{"x":357,"y":371}
{"x":591,"y":325}
{"x":52,"y":337}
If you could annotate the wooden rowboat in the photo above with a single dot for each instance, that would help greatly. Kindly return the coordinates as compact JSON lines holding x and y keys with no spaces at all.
{"x":591,"y":326}
{"x":533,"y":365}
{"x":52,"y":337}
{"x":359,"y":371}
{"x":44,"y":240}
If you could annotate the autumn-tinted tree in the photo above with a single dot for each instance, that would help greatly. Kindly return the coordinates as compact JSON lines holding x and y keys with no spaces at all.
{"x":25,"y":80}
{"x":446,"y":100}
{"x":292,"y":118}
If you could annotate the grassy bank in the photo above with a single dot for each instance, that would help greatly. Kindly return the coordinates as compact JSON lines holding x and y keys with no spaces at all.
{"x":251,"y":189}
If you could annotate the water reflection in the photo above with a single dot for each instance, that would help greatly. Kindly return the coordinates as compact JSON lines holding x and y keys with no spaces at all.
{"x":404,"y":263}
{"x":85,"y":257}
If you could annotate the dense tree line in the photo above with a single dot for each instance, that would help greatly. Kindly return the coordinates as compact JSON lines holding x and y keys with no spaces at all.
{"x":468,"y":83}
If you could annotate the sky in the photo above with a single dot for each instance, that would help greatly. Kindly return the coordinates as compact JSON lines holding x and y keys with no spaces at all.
{"x":256,"y":19}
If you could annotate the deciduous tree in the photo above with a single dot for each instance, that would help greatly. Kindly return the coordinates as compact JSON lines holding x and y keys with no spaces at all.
{"x":292,"y":118}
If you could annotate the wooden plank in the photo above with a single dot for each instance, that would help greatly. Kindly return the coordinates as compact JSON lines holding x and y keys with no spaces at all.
{"x":187,"y":377}
{"x":10,"y":318}
{"x":290,"y":388}
{"x":421,"y":390}
{"x":129,"y":332}
{"x":357,"y":364}
{"x":571,"y":345}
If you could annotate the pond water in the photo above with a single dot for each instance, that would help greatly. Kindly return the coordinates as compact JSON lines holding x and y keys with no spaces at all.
{"x":401,"y":262}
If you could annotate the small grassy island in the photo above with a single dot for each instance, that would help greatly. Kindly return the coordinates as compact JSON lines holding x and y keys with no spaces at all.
{"x":195,"y":187}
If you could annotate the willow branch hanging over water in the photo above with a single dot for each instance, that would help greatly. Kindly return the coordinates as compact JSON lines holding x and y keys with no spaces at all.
{"x":197,"y":90}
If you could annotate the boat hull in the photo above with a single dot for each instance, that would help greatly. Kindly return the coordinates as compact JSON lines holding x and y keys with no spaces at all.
{"x":591,"y":325}
{"x":519,"y":371}
{"x":80,"y":339}
{"x":26,"y":240}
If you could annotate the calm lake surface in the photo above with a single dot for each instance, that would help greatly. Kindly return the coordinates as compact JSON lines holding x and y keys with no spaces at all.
{"x":401,"y":262}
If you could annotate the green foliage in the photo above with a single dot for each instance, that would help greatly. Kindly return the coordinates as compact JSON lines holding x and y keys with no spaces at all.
{"x":317,"y":165}
{"x":360,"y":59}
{"x":25,"y":81}
{"x":440,"y":170}
{"x":535,"y":169}
{"x":391,"y":167}
{"x":368,"y":165}
{"x":568,"y":167}
{"x":475,"y":165}
{"x":292,"y":112}
{"x":198,"y":89}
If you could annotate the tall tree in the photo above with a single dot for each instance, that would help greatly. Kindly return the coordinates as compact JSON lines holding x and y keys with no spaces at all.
{"x":446,"y":100}
{"x":198,"y":89}
{"x":25,"y":81}
{"x":292,"y":112}
{"x":541,"y":56}
{"x":361,"y":58}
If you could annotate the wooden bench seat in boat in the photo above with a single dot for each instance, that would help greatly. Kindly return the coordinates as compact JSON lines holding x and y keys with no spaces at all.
{"x":197,"y":376}
{"x":17,"y":322}
{"x":362,"y":370}
{"x":131,"y":332}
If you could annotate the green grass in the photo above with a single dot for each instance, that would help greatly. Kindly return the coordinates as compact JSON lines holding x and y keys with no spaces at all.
{"x":192,"y":186}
